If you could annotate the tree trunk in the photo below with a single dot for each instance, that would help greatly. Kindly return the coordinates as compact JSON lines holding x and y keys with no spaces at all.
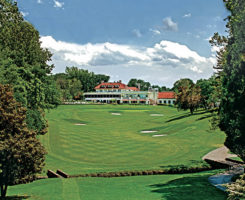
{"x":191,"y":110}
{"x":4,"y":190}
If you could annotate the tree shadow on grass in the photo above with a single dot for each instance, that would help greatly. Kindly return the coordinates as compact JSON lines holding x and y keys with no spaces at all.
{"x":205,"y":117}
{"x":189,"y":188}
{"x":15,"y":197}
{"x":178,"y":118}
{"x":188,"y":115}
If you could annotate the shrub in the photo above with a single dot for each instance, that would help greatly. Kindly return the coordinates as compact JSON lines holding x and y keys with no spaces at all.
{"x":93,"y":175}
{"x":236,"y":190}
{"x":150,"y":172}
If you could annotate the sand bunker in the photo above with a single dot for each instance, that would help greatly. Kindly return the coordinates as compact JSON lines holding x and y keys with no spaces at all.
{"x":156,"y":115}
{"x":148,"y":131}
{"x":80,"y":124}
{"x":116,"y":113}
{"x":158,"y":135}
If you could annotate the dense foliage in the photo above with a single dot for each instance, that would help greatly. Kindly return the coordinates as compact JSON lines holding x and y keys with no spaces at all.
{"x":232,"y":107}
{"x":210,"y":92}
{"x":205,"y":93}
{"x":21,"y":153}
{"x":236,"y":190}
{"x":141,"y":84}
{"x":75,"y":81}
{"x":144,"y":85}
{"x":23,"y":64}
{"x":188,"y":95}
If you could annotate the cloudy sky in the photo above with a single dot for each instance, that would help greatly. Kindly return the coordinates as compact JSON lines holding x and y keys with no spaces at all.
{"x":159,"y":41}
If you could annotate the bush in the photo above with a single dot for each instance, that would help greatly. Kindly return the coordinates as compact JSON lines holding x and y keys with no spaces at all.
{"x":236,"y":190}
{"x":150,"y":172}
{"x":93,"y":175}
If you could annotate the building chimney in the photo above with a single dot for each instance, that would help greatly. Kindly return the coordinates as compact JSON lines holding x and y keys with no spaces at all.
{"x":102,"y":81}
{"x":138,"y":85}
{"x":119,"y":81}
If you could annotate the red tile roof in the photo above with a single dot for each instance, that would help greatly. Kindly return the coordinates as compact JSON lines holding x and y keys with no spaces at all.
{"x":134,"y":88}
{"x":111,"y":86}
{"x":166,"y":95}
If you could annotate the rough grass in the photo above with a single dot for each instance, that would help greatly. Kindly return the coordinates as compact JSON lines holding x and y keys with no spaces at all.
{"x":114,"y":143}
{"x":164,"y":187}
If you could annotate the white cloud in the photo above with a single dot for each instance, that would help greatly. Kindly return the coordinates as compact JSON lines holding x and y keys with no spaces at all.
{"x":39,"y":1}
{"x":137,"y":33}
{"x":211,"y":26}
{"x":195,"y":69}
{"x":214,"y":50}
{"x":58,"y":4}
{"x":187,"y":15}
{"x":24,"y":14}
{"x":217,"y":18}
{"x":209,"y":38}
{"x":155,"y":31}
{"x":169,"y":24}
{"x":164,"y":62}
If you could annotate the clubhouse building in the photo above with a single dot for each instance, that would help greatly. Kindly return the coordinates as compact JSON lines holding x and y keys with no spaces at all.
{"x":120,"y":93}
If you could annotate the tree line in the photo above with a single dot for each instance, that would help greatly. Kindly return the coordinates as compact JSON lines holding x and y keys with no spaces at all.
{"x":205,"y":93}
{"x":75,"y":81}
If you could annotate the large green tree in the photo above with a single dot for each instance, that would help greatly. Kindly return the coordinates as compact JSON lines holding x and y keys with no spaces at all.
{"x":75,"y":81}
{"x":23,"y":64}
{"x":143,"y":85}
{"x":232,"y":107}
{"x":210,"y":91}
{"x":21,"y":153}
{"x":188,"y":95}
{"x":88,"y":79}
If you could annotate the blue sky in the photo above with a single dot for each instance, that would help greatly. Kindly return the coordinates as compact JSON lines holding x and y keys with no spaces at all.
{"x":156,"y":40}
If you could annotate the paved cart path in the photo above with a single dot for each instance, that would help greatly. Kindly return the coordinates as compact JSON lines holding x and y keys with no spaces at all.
{"x":221,"y":154}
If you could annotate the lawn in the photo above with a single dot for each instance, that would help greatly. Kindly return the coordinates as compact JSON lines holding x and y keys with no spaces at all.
{"x":110,"y":142}
{"x":164,"y":187}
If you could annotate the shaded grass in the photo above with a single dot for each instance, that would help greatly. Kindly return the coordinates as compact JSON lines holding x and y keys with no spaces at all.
{"x":236,"y":159}
{"x":188,"y":187}
{"x":114,"y":143}
{"x":165,"y":187}
{"x":15,"y":197}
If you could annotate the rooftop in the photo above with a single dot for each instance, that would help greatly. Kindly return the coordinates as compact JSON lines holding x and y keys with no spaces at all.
{"x":166,"y":95}
{"x":117,"y":85}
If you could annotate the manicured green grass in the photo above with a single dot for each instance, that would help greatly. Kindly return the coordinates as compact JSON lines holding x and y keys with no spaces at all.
{"x":236,"y":159}
{"x":164,"y":187}
{"x":114,"y":142}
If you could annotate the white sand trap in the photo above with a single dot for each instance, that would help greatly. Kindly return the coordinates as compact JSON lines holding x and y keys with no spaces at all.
{"x":158,"y":135}
{"x":80,"y":124}
{"x":116,"y":113}
{"x":148,"y":131}
{"x":156,"y":115}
